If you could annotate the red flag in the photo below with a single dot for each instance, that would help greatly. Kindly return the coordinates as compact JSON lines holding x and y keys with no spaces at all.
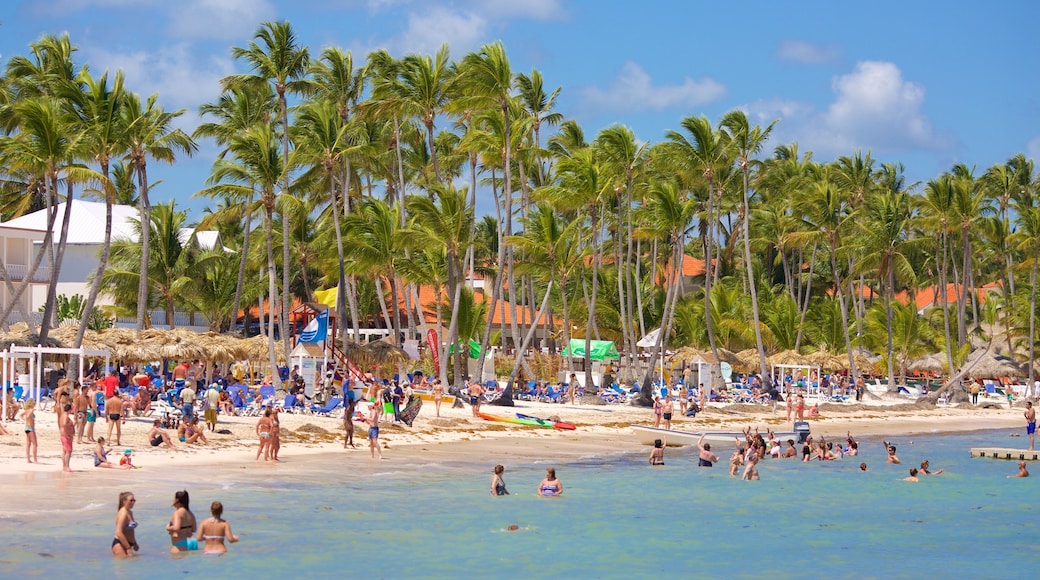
{"x":435,"y":352}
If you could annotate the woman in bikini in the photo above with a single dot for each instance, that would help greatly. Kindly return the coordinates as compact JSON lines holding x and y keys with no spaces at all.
{"x":125,"y":541}
{"x":31,"y":444}
{"x":438,"y":393}
{"x":182,"y":525}
{"x":263,"y":431}
{"x":214,"y":531}
{"x":550,"y":486}
{"x":657,"y":454}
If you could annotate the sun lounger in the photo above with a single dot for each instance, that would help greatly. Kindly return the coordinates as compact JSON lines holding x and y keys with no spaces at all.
{"x":333,"y":404}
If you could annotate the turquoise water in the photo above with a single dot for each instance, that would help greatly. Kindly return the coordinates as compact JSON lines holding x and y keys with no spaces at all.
{"x":617,"y":518}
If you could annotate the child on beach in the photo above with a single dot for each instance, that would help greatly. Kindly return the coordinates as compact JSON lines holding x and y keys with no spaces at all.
{"x":32,"y":446}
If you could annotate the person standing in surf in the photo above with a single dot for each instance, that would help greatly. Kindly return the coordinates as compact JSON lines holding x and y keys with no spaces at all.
{"x":550,"y":486}
{"x":373,"y":430}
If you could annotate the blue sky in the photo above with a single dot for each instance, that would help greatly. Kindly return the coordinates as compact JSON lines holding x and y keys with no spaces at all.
{"x":929,"y":84}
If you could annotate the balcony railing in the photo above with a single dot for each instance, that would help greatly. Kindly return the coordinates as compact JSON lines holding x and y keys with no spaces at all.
{"x":18,"y":272}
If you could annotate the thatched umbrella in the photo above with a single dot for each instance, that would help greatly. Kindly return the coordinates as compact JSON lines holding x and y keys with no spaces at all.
{"x":382,"y":352}
{"x":788,"y":357}
{"x":827,"y":361}
{"x":20,"y":336}
{"x":992,"y":366}
{"x":255,"y":348}
{"x":933,"y":363}
{"x":748,"y":357}
{"x":686,"y":353}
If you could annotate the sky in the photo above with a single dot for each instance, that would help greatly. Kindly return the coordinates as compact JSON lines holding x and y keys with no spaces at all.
{"x":927,"y":84}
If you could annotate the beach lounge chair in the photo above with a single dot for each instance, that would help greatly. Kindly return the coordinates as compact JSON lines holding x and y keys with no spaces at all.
{"x":289,"y":405}
{"x":333,"y":404}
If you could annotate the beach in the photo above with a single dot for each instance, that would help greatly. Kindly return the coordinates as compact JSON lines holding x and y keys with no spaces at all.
{"x":425,"y":511}
{"x":458,"y":431}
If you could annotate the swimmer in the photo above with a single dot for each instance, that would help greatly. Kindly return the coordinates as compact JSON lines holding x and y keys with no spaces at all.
{"x":913,"y":476}
{"x":706,"y":457}
{"x":736,"y":460}
{"x":862,"y":466}
{"x":657,"y":455}
{"x":498,"y":485}
{"x":550,"y":486}
{"x":182,"y":526}
{"x":1022,"y":471}
{"x":125,"y":542}
{"x":891,"y":450}
{"x":924,"y":469}
{"x":214,"y":531}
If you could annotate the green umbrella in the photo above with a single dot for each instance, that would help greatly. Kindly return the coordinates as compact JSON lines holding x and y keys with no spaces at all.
{"x":601,"y":349}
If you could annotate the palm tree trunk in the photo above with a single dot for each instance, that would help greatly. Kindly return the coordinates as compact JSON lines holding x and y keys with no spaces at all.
{"x":889,"y":291}
{"x":804,"y":306}
{"x":506,"y":398}
{"x":745,"y":230}
{"x":1032,"y":326}
{"x":284,"y":325}
{"x":272,"y":297}
{"x":52,"y":286}
{"x":48,"y":237}
{"x":844,"y":313}
{"x":146,"y":231}
{"x":95,"y":285}
{"x":242,"y":264}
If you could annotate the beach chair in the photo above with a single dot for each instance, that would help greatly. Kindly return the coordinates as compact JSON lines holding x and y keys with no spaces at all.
{"x":333,"y":404}
{"x":289,"y":405}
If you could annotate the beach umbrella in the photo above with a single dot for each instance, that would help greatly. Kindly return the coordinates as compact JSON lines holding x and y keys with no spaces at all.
{"x":255,"y":348}
{"x":992,"y":366}
{"x":933,"y":363}
{"x":686,"y":353}
{"x":382,"y":352}
{"x":789,"y":357}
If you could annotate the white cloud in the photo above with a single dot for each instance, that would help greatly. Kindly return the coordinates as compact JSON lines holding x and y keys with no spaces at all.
{"x":427,"y":31}
{"x":1033,"y":149}
{"x":219,"y":19}
{"x":181,"y":79}
{"x":533,"y":9}
{"x":801,"y":51}
{"x":873,"y":108}
{"x":634,"y":90}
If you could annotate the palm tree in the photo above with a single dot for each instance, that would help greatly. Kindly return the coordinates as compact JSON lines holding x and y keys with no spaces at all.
{"x":149,"y":133}
{"x":258,"y":165}
{"x":97,"y":109}
{"x":748,"y":141}
{"x":448,"y":222}
{"x":701,"y":155}
{"x":282,"y":63}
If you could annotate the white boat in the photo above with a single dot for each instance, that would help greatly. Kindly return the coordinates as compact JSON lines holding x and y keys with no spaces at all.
{"x":673,"y":438}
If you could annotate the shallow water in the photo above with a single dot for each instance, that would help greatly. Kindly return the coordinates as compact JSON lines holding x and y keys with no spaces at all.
{"x":618,"y":517}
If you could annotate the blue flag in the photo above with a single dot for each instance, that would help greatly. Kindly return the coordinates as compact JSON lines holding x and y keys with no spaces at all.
{"x":317,"y":329}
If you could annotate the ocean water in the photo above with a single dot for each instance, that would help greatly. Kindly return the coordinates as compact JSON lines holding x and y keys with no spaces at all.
{"x":618,"y":518}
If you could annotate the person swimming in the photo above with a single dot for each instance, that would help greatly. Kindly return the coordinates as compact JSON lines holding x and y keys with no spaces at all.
{"x":215,"y":531}
{"x":550,"y":486}
{"x":706,"y":458}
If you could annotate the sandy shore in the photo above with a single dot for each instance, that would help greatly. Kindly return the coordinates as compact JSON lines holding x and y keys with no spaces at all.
{"x":457,"y":434}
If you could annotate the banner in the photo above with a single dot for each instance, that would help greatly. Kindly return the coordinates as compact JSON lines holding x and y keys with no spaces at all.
{"x":435,"y":351}
{"x":317,"y":329}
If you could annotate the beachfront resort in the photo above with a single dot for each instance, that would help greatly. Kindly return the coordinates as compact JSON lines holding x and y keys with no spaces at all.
{"x":418,"y":259}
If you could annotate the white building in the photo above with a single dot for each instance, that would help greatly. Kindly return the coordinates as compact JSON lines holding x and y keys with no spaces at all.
{"x":22,"y":237}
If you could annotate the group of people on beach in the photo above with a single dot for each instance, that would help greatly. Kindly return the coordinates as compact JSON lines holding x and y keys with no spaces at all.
{"x":183,"y":527}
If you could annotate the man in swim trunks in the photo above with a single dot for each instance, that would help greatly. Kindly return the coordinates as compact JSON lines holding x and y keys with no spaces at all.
{"x":373,"y":430}
{"x":80,"y":405}
{"x":666,"y":411}
{"x":476,"y":393}
{"x":179,"y":373}
{"x":114,"y":410}
{"x":1030,"y":416}
{"x":891,"y":449}
{"x":706,"y":458}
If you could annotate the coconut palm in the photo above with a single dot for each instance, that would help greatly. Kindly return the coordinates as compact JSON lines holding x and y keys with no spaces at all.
{"x":748,"y":142}
{"x":149,"y":133}
{"x":278,"y":60}
{"x":701,"y":153}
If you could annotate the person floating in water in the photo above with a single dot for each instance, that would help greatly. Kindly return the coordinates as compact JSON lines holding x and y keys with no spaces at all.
{"x":1022,"y":471}
{"x":498,"y":485}
{"x":657,"y":455}
{"x":913,"y":476}
{"x":924,"y":469}
{"x":550,"y":486}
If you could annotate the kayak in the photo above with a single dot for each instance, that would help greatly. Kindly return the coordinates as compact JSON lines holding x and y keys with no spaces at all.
{"x":556,"y":424}
{"x":515,"y":420}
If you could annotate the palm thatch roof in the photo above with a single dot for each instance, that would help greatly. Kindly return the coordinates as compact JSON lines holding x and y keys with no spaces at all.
{"x":932,"y":363}
{"x":992,"y":366}
{"x":382,"y":352}
{"x":684,"y":354}
{"x":789,"y":357}
{"x":255,"y":348}
{"x":20,"y":335}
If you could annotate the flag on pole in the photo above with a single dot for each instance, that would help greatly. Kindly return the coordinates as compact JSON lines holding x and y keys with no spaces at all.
{"x":317,"y":329}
